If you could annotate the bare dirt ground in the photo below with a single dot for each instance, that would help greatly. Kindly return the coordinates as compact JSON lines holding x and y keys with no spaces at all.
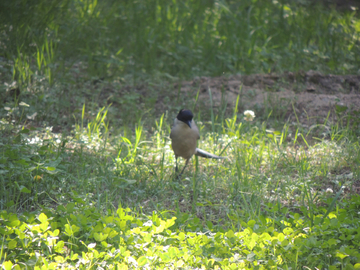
{"x":306,"y":96}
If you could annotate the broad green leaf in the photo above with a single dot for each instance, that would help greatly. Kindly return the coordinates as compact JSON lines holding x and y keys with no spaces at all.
{"x":340,"y":109}
{"x":123,"y":225}
{"x":21,"y":162}
{"x":71,"y":230}
{"x":332,"y":241}
{"x":100,"y":236}
{"x":112,"y":234}
{"x":173,"y":252}
{"x":70,"y":207}
{"x":109,"y":219}
{"x":357,"y":26}
{"x":265,"y":236}
{"x":99,"y":227}
{"x":59,"y":247}
{"x":181,"y":236}
{"x":13,"y":221}
{"x":341,"y":255}
{"x":60,"y":259}
{"x":250,"y":256}
{"x":230,"y":234}
{"x":281,"y":237}
{"x":251,"y":223}
{"x":160,"y":228}
{"x":165,"y":257}
{"x":170,"y":222}
{"x":7,"y":265}
{"x":44,"y":226}
{"x":141,"y":260}
{"x":285,"y":243}
{"x":12,"y":244}
{"x":288,"y":231}
{"x":43,"y":218}
{"x":55,"y":232}
{"x":24,"y":189}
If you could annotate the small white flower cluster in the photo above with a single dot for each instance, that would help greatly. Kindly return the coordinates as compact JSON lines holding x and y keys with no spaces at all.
{"x":329,"y":191}
{"x":249,"y":115}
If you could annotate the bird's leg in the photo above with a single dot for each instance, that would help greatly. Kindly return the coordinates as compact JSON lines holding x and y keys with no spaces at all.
{"x":176,"y":166}
{"x":186,"y":163}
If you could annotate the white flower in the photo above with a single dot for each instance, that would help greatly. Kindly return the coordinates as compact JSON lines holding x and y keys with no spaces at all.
{"x":249,"y":115}
{"x":329,"y":191}
{"x":24,"y":104}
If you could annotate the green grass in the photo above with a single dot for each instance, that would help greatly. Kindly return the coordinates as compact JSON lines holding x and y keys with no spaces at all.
{"x":86,"y":167}
{"x":273,"y":187}
{"x":175,"y":39}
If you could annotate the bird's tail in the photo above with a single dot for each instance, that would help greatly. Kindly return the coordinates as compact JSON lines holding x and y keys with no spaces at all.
{"x":203,"y":153}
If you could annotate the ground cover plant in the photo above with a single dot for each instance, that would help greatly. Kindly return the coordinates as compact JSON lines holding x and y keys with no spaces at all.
{"x":89,"y":92}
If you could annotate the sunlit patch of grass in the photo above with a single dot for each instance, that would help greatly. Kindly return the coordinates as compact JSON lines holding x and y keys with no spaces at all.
{"x":261,"y":167}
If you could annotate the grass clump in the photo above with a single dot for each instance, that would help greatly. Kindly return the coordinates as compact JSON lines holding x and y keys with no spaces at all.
{"x":176,"y":39}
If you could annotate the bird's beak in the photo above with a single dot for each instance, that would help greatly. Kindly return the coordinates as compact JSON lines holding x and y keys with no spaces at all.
{"x":188,"y":123}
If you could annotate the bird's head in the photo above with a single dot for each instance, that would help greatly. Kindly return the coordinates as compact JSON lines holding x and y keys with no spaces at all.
{"x":185,"y":116}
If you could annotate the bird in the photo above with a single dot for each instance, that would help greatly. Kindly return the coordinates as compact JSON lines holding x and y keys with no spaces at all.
{"x":184,"y":135}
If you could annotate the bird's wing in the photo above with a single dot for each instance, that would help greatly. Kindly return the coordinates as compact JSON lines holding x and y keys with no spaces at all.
{"x":203,"y":153}
{"x":172,"y":129}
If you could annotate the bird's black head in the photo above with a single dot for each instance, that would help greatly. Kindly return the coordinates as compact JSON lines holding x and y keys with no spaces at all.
{"x":185,"y":116}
